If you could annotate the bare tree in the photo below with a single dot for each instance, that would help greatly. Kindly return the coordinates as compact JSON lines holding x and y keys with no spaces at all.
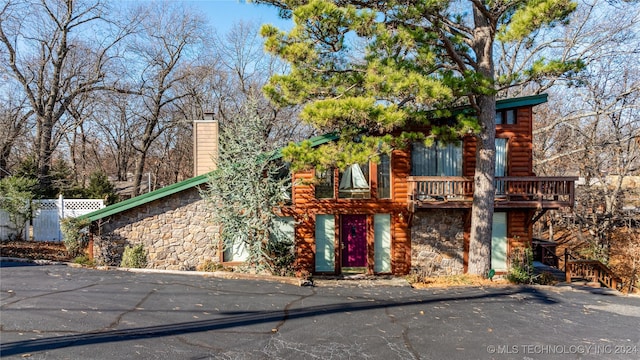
{"x":14,"y":123}
{"x":593,"y":130}
{"x":162,"y":55}
{"x":113,"y":117}
{"x":239,"y":72}
{"x":44,"y":53}
{"x":596,"y":29}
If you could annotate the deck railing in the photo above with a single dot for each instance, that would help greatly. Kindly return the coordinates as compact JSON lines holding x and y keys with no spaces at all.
{"x":511,"y":188}
{"x":592,"y":270}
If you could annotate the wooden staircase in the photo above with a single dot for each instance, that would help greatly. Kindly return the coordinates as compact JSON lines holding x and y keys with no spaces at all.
{"x":591,"y":270}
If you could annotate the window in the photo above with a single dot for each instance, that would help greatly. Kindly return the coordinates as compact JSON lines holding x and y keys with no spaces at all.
{"x":499,"y":242}
{"x":325,"y":248}
{"x":501,"y":164}
{"x":237,"y":252}
{"x":354,"y":182}
{"x":436,"y":160}
{"x":283,"y":175}
{"x":506,"y":117}
{"x":283,"y":230}
{"x":382,"y":243}
{"x":501,"y":157}
{"x":324,"y":184}
{"x":384,"y":177}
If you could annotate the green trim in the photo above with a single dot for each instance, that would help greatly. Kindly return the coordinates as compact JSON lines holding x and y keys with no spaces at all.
{"x":315,"y":141}
{"x":504,"y":104}
{"x":532,"y":100}
{"x":146,"y":198}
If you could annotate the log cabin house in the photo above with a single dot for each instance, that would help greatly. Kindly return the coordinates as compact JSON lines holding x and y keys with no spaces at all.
{"x":412,"y":210}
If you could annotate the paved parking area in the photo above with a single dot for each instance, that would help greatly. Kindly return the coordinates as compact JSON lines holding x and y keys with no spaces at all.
{"x":60,"y":312}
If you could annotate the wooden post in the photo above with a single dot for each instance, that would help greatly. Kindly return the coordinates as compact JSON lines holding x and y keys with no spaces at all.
{"x":567,"y":268}
{"x":90,"y":246}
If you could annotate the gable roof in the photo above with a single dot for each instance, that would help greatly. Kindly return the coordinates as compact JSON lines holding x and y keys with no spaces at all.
{"x":315,"y":141}
{"x":146,"y":198}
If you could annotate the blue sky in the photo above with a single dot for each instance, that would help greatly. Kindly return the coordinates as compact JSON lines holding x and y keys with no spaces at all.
{"x":223,"y":14}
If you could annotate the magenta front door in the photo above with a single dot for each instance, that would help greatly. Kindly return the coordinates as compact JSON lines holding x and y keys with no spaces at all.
{"x":354,"y":240}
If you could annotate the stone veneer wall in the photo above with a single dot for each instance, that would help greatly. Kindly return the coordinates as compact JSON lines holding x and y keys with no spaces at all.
{"x":176,"y":231}
{"x":437,"y":242}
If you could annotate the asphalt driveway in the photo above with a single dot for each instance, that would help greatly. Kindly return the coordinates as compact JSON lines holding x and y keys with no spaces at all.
{"x":60,"y":312}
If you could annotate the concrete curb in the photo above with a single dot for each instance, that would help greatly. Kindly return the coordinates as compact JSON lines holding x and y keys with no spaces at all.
{"x":37,"y":261}
{"x":355,"y":281}
{"x":214,"y":274}
{"x":321,"y":282}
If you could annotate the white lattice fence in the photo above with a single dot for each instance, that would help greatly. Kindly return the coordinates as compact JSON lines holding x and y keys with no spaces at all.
{"x":46,"y":220}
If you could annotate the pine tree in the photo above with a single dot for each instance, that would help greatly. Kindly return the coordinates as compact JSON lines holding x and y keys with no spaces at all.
{"x":375,"y":66}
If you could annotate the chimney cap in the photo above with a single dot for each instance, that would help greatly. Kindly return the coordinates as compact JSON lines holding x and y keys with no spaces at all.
{"x":208,"y":115}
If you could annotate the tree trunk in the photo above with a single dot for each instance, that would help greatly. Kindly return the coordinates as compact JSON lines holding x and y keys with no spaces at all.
{"x":44,"y":152}
{"x":147,"y":139}
{"x":5,"y":152}
{"x":137,"y":177}
{"x":484,"y":193}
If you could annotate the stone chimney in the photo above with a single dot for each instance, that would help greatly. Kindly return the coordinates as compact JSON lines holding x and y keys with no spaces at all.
{"x":205,"y":144}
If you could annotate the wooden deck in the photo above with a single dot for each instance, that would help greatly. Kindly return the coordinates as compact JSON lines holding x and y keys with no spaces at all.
{"x":511,"y":192}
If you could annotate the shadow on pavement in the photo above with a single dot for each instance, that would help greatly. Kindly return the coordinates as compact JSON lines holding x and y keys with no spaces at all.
{"x":241,"y":319}
{"x":9,"y":263}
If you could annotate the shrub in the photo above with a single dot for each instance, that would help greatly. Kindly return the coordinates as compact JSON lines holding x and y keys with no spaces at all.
{"x":210,"y":266}
{"x":546,"y":278}
{"x":16,"y":195}
{"x":134,"y":257}
{"x":280,"y":257}
{"x":101,"y":188}
{"x":84,"y":260}
{"x":521,"y":270}
{"x":75,"y":239}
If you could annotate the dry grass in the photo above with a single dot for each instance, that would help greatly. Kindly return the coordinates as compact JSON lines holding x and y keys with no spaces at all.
{"x":457,"y":280}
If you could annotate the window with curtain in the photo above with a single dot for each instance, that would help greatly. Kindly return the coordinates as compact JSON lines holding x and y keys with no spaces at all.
{"x":354,"y":182}
{"x":501,"y":164}
{"x":436,"y":160}
{"x":384,"y":177}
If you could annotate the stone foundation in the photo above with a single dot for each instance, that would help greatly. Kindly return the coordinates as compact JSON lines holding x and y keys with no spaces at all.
{"x":437,"y":242}
{"x":176,"y":231}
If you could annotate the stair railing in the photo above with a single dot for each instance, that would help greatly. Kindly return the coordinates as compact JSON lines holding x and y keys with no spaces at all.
{"x":592,"y":270}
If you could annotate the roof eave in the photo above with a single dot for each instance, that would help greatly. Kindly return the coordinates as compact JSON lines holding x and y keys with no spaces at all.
{"x":146,"y":198}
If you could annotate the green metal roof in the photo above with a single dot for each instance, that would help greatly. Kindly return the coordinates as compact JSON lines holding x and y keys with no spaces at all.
{"x":146,"y":198}
{"x":532,"y":100}
{"x":315,"y":141}
{"x":503,"y":104}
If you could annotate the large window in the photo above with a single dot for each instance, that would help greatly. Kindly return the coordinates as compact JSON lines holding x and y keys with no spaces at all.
{"x":382,"y":243}
{"x":501,"y":164}
{"x":384,"y":177}
{"x":354,"y":182}
{"x":436,"y":160}
{"x":325,"y":247}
